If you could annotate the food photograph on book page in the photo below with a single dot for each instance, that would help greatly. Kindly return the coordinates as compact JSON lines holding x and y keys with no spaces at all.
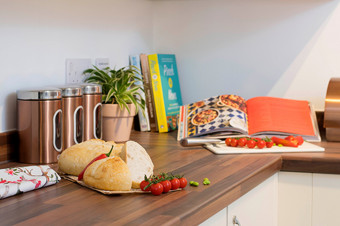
{"x":215,"y":114}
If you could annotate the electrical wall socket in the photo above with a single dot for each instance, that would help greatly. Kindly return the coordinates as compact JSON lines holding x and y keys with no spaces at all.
{"x":102,"y":63}
{"x":75,"y":69}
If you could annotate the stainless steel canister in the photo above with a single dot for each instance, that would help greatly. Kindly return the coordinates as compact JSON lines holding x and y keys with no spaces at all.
{"x":39,"y":125}
{"x":73,"y":115}
{"x":92,"y":103}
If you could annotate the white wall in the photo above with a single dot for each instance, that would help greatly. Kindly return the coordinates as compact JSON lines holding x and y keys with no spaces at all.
{"x":283,"y":48}
{"x":36,"y":37}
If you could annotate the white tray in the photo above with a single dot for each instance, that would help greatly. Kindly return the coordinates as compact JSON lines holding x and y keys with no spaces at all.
{"x":223,"y":149}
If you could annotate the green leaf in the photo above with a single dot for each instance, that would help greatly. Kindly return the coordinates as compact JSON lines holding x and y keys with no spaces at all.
{"x":119,"y":86}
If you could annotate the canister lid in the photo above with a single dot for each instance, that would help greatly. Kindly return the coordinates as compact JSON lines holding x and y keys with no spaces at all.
{"x":71,"y":91}
{"x":91,"y":88}
{"x":44,"y":93}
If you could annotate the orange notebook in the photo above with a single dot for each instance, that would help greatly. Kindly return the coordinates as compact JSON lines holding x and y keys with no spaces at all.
{"x":225,"y":115}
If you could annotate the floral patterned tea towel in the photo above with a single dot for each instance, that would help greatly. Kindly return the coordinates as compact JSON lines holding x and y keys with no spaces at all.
{"x":22,"y":179}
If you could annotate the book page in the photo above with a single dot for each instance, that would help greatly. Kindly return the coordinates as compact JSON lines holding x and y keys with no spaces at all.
{"x":211,"y":115}
{"x":279,"y":115}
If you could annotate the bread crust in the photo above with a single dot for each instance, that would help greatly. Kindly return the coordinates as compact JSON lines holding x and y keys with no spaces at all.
{"x":110,"y":174}
{"x":75,"y":158}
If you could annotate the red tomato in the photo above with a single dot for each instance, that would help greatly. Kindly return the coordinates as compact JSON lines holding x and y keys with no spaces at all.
{"x":183,"y":182}
{"x":166,"y":186}
{"x":299,"y":139}
{"x":156,"y":189}
{"x":269,"y":144}
{"x":242,"y":142}
{"x":257,"y":139}
{"x":175,"y":183}
{"x":234,"y":142}
{"x":251,"y":143}
{"x":228,"y":141}
{"x":143,"y":184}
{"x":261,"y":144}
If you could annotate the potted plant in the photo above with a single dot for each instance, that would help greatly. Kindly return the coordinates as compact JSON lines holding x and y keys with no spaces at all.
{"x":120,"y":98}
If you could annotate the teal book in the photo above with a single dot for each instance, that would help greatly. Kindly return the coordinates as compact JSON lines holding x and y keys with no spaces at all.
{"x":166,"y":90}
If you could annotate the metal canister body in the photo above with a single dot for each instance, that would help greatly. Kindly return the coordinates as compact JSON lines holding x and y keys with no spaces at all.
{"x":39,"y":125}
{"x":332,"y":110}
{"x":73,"y":116}
{"x":92,"y":98}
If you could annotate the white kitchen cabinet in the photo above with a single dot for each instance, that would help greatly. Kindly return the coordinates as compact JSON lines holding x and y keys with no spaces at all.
{"x":295,"y":199}
{"x":307,"y":199}
{"x":326,"y":200}
{"x":219,"y":219}
{"x":258,"y":207}
{"x":286,"y":198}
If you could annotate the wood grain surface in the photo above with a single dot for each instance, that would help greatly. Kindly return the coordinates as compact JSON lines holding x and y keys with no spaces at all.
{"x":231,"y":177}
{"x":8,"y":146}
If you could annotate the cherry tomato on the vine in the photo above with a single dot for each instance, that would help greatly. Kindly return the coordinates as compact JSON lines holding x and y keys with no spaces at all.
{"x":156,"y":189}
{"x":228,"y":141}
{"x":166,"y":186}
{"x":234,"y":142}
{"x":261,"y":144}
{"x":175,"y":183}
{"x":257,"y":139}
{"x":143,"y":184}
{"x":183,"y":182}
{"x":269,"y":144}
{"x":251,"y":143}
{"x":242,"y":142}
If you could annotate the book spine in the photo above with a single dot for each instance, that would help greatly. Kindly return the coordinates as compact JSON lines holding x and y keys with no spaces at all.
{"x":148,"y":92}
{"x":142,"y":114}
{"x":158,"y":93}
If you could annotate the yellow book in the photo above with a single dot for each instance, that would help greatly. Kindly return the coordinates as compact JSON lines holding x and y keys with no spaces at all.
{"x":166,"y":90}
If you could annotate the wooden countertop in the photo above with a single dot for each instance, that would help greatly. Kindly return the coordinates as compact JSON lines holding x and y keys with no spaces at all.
{"x":231,"y":177}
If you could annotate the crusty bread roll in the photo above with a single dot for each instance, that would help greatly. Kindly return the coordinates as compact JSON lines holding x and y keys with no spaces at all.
{"x":75,"y":158}
{"x":110,"y":174}
{"x":138,"y":161}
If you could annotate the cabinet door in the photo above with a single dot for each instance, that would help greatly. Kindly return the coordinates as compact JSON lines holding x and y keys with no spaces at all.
{"x":295,"y":199}
{"x":219,"y":219}
{"x":326,"y":199}
{"x":258,"y":206}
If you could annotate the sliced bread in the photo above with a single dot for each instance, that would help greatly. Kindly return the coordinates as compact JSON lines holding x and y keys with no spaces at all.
{"x":138,"y":161}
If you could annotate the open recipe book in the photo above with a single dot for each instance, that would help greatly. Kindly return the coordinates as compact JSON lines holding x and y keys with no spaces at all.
{"x":228,"y":115}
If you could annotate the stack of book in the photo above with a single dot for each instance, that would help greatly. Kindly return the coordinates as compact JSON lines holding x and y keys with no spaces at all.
{"x":162,"y":91}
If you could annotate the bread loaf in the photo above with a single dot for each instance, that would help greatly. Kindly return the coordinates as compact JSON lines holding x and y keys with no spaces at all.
{"x":138,"y":161}
{"x":75,"y":158}
{"x":109,"y":174}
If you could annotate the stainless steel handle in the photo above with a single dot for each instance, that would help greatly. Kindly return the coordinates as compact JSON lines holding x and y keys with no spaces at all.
{"x":235,"y":221}
{"x":189,"y":141}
